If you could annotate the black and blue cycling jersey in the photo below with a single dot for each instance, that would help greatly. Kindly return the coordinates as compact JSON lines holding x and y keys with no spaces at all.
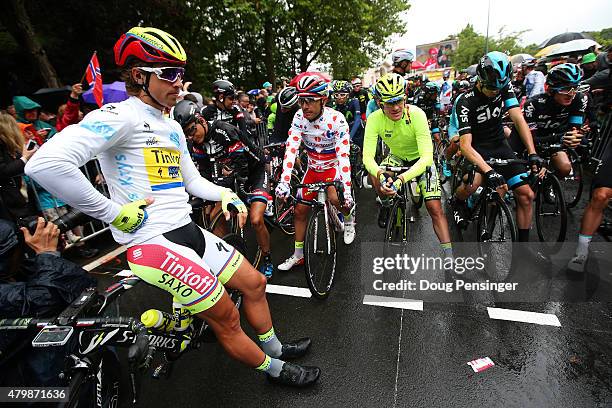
{"x":352,"y":113}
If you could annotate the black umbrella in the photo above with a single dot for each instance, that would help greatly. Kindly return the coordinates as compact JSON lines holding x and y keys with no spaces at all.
{"x":565,"y":37}
{"x":51,"y":98}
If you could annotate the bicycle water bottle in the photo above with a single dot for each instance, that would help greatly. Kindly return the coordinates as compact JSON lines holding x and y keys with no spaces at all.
{"x":183,"y":318}
{"x":159,"y":320}
{"x":474,"y":197}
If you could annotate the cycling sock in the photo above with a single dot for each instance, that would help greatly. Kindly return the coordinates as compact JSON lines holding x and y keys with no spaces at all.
{"x":447,"y":249}
{"x":271,"y":366}
{"x":270,"y":343}
{"x":299,"y":249}
{"x":583,"y":245}
{"x":523,"y":235}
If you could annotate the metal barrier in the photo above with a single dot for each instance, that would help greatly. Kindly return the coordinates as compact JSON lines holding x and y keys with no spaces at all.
{"x":261,"y":131}
{"x":91,"y":170}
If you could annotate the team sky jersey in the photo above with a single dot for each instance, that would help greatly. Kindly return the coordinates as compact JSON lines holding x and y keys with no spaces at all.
{"x":453,"y":122}
{"x":352,"y":114}
{"x":141,"y":153}
{"x":482,"y":116}
{"x":372,"y":107}
{"x":408,"y":139}
{"x":326,"y":141}
{"x":546,"y":117}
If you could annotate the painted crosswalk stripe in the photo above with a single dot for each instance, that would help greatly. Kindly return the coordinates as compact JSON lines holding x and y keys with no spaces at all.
{"x":288,"y":291}
{"x":105,"y":258}
{"x":523,"y":316}
{"x":397,"y":303}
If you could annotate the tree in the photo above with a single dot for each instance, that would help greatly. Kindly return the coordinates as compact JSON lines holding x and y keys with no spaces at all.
{"x":603,"y":37}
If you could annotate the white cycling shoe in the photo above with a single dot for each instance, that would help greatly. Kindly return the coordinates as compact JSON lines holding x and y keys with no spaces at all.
{"x":576,"y":264}
{"x":290,"y":263}
{"x":349,"y":232}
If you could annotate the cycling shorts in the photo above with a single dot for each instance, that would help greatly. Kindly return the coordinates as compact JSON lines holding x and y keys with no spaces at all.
{"x":311,"y":176}
{"x":189,"y":262}
{"x":514,"y":174}
{"x":254,"y":185}
{"x":429,"y":183}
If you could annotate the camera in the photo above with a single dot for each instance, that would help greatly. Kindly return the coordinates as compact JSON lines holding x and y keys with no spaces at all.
{"x":66,"y":222}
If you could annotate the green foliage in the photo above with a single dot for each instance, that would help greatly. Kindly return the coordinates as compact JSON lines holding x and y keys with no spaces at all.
{"x":603,"y":37}
{"x":223,"y":38}
{"x":472,"y":45}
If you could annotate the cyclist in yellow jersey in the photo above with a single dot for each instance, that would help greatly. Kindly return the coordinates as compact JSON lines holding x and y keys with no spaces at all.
{"x":404,"y":129}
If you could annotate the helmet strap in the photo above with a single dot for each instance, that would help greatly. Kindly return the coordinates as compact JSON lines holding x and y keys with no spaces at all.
{"x":145,"y":88}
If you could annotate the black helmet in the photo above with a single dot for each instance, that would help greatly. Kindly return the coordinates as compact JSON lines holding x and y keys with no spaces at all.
{"x":223,"y":87}
{"x":288,"y":97}
{"x":494,"y":70}
{"x":185,"y":112}
{"x":564,"y":76}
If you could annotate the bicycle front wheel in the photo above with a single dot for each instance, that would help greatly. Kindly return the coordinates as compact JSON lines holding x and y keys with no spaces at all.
{"x":496,"y":231}
{"x":573,"y":184}
{"x":397,"y":227}
{"x":319,"y":254}
{"x":551,"y":213}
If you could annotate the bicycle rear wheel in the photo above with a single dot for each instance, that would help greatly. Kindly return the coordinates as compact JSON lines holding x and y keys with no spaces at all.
{"x":440,"y":159}
{"x":397,"y":226}
{"x":319,"y":254}
{"x":550,"y":213}
{"x":573,"y":184}
{"x":496,"y":231}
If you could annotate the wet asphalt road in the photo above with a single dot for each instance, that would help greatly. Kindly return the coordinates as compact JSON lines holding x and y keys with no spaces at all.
{"x":373,"y":356}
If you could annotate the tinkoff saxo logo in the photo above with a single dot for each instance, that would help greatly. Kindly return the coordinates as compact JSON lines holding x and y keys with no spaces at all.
{"x":163,"y":168}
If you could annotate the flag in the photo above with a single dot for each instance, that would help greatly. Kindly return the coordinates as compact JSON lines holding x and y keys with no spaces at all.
{"x":94,"y":78}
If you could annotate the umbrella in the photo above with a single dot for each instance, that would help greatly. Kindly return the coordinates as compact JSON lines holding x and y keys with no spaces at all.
{"x":547,"y":50}
{"x":51,"y":98}
{"x":565,"y":37}
{"x":520,"y":58}
{"x":573,"y":46}
{"x":471,"y":70}
{"x":114,"y":92}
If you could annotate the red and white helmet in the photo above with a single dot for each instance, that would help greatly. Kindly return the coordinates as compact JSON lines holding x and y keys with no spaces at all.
{"x":312,"y":86}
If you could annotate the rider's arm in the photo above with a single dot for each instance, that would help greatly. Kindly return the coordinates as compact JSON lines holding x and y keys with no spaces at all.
{"x":195,"y":184}
{"x":245,"y":138}
{"x":357,"y":122}
{"x":293,"y":145}
{"x":523,"y":128}
{"x":56,"y":164}
{"x":369,"y":143}
{"x":424,"y":144}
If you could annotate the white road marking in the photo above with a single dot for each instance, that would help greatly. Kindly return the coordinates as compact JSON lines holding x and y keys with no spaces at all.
{"x":125,"y":273}
{"x":523,"y":316}
{"x":288,"y":291}
{"x":105,"y":258}
{"x":397,"y":303}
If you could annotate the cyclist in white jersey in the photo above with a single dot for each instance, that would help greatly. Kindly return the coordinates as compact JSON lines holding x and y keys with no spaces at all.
{"x":145,"y":161}
{"x":325,"y":134}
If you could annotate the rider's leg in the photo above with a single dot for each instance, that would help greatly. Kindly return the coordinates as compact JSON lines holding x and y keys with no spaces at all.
{"x":438,"y":219}
{"x":524,"y":196}
{"x":464,"y":190}
{"x":256,"y":215}
{"x":561,"y":163}
{"x":591,"y":220}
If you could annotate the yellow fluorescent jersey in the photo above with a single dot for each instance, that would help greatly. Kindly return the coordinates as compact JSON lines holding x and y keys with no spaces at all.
{"x":408,"y":138}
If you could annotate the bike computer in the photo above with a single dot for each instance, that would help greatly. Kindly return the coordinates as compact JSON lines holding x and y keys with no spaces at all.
{"x":51,"y":336}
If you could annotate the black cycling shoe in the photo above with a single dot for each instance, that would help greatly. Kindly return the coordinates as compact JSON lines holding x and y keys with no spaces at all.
{"x":296,"y":376}
{"x":295,"y":349}
{"x":460,"y":213}
{"x":383,"y":215}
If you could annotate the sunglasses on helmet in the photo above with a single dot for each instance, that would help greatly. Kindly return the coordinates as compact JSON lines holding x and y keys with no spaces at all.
{"x":341,"y":95}
{"x":168,"y":74}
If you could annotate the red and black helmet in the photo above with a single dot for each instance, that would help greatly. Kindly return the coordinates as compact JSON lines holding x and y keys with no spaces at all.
{"x":149,"y":45}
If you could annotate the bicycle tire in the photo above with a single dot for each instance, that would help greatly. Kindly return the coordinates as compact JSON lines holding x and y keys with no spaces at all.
{"x":319,"y":267}
{"x":541,"y":200}
{"x":490,"y":209}
{"x":573,"y":185}
{"x":396,"y":222}
{"x":440,"y":159}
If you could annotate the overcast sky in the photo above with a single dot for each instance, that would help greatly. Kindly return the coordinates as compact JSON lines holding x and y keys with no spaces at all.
{"x":432,"y":20}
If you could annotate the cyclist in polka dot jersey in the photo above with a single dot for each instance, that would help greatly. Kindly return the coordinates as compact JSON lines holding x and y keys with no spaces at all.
{"x":326,"y":138}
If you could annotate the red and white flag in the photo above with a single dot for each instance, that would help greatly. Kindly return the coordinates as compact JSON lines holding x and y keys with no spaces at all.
{"x":94,"y":78}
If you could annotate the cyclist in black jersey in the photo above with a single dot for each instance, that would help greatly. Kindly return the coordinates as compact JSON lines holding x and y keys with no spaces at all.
{"x":222,"y":142}
{"x":361,"y":95}
{"x":479,"y":114}
{"x":288,"y":104}
{"x":349,"y":107}
{"x":560,"y":110}
{"x":430,"y":103}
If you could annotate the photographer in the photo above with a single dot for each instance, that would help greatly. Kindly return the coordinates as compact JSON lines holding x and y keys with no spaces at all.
{"x":38,"y":286}
{"x":14,"y":154}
